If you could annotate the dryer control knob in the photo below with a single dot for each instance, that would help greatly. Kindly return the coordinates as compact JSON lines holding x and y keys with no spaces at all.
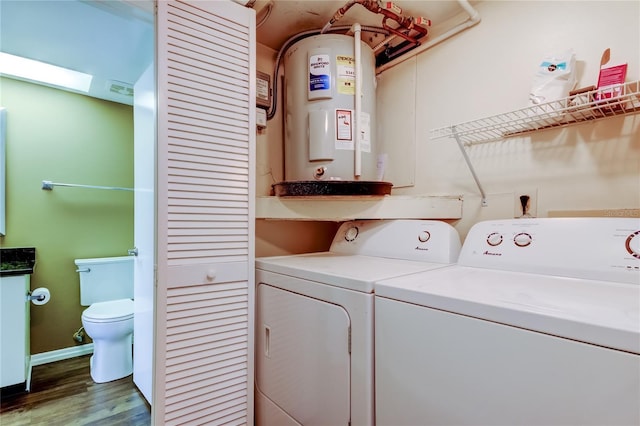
{"x":351,"y":233}
{"x":522,"y":239}
{"x":494,"y":239}
{"x":424,"y":236}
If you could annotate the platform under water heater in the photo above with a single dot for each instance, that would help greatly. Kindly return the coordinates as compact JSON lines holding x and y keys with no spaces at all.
{"x":322,"y":153}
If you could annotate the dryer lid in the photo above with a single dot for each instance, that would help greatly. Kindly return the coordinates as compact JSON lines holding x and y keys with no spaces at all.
{"x":353,"y":272}
{"x":111,"y":310}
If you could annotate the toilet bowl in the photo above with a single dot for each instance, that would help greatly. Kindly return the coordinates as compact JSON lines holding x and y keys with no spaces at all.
{"x":110,"y":325}
{"x":106,"y":287}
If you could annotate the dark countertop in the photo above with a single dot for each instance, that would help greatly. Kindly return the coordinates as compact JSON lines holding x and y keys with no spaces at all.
{"x":17,"y":260}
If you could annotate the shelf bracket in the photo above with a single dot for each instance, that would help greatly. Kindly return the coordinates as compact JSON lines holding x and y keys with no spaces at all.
{"x":454,"y":132}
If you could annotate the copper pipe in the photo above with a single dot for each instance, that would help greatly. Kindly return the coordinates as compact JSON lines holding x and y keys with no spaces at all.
{"x":422,"y":30}
{"x":338,"y":15}
{"x":407,"y":23}
{"x":398,"y":33}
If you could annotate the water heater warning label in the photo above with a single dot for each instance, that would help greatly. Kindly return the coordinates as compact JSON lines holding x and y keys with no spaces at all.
{"x":345,"y":128}
{"x":346,"y":79}
{"x":319,"y":72}
{"x":344,"y":138}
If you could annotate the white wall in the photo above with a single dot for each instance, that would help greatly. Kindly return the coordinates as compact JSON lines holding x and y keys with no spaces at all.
{"x":269,"y":143}
{"x":488,"y":70}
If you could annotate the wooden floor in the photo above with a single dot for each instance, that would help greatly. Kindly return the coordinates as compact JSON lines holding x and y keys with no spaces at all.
{"x":62,"y":393}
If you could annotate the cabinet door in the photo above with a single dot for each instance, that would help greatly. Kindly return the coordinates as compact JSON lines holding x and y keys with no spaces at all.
{"x":205,"y":206}
{"x":14,"y":329}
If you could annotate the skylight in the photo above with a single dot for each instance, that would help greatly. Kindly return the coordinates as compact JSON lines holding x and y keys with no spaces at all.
{"x":28,"y":69}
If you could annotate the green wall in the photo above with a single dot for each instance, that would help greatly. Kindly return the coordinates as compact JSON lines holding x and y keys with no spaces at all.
{"x":64,"y":137}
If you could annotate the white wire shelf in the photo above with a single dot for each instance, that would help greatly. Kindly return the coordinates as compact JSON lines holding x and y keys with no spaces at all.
{"x":574,"y":109}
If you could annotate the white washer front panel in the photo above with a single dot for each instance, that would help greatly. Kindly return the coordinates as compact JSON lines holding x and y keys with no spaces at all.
{"x":353,"y":272}
{"x":303,"y":360}
{"x":439,"y":368}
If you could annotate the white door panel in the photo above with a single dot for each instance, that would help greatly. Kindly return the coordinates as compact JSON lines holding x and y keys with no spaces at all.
{"x":303,"y":356}
{"x":205,"y":203}
{"x":144,"y":115}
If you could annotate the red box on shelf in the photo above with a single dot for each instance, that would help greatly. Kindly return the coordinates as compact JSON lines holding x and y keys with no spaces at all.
{"x":611,"y":82}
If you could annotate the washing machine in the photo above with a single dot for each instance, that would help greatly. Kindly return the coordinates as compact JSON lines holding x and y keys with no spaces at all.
{"x":314,"y":319}
{"x":537,"y":324}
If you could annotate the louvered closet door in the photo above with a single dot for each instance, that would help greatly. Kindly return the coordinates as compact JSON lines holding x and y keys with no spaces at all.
{"x":205,"y":186}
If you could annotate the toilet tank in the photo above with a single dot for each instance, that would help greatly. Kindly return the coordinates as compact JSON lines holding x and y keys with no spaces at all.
{"x":104,"y":279}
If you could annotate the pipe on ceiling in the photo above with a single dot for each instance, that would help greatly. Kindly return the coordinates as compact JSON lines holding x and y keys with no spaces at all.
{"x":474,"y":19}
{"x":405,"y":24}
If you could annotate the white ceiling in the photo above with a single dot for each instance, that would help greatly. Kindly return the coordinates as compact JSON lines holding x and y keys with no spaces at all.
{"x":113,"y":40}
{"x":289,"y":17}
{"x":110,"y":40}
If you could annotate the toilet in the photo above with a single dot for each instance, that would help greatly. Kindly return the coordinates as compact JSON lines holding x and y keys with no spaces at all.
{"x":106,"y":286}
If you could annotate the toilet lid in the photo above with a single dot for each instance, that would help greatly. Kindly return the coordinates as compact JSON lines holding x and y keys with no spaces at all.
{"x":113,"y":310}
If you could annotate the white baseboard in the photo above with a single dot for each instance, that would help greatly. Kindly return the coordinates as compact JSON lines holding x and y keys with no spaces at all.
{"x":60,"y":354}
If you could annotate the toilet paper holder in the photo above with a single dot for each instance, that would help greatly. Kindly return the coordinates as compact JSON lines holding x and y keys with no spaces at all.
{"x":37,"y":297}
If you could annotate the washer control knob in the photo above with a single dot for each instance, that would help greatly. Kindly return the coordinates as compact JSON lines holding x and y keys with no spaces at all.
{"x":424,"y":236}
{"x":494,"y":239}
{"x":351,"y":234}
{"x":633,"y":244}
{"x":522,"y":239}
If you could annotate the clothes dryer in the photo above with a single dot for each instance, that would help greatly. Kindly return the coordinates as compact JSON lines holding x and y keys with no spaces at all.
{"x":537,"y":324}
{"x":314,"y":329}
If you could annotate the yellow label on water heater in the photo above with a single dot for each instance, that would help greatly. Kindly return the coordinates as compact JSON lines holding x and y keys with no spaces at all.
{"x":346,"y":78}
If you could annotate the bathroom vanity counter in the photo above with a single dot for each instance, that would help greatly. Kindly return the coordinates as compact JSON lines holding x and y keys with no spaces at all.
{"x":17,"y":261}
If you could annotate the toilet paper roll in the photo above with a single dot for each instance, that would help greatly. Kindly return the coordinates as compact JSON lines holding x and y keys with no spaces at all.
{"x":36,"y":296}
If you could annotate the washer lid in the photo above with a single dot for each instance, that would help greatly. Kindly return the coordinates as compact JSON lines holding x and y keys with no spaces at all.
{"x":599,"y":312}
{"x":113,"y":310}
